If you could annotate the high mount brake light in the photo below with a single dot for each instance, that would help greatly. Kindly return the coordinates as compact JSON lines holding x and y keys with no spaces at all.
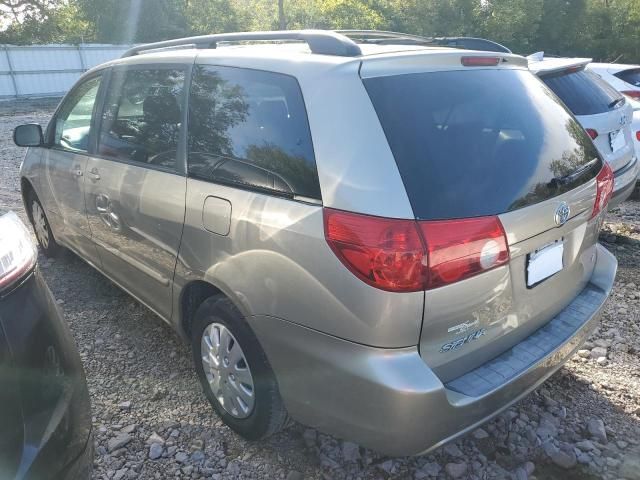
{"x":632,"y":93}
{"x":480,"y":61}
{"x":17,"y":252}
{"x":604,"y":184}
{"x":408,"y":256}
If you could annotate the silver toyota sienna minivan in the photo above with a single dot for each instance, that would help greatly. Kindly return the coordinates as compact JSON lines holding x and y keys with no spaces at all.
{"x":389,"y":242}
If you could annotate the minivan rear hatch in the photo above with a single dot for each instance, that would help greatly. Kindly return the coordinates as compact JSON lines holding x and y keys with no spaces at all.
{"x":492,"y":142}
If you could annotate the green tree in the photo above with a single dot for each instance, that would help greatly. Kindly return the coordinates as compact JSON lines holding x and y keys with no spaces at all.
{"x":134,"y":21}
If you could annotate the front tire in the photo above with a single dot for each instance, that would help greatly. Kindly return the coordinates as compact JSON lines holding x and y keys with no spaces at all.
{"x":42,"y":228}
{"x":234,"y":372}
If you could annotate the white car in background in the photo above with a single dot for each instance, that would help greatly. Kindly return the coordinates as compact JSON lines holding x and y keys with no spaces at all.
{"x":602,"y":111}
{"x":624,"y":78}
{"x":635,"y":125}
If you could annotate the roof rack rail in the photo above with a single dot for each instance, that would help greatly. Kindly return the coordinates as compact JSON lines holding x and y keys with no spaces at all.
{"x":381,"y":37}
{"x":323,"y":42}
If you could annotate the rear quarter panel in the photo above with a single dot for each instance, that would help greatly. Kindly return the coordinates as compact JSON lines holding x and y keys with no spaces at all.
{"x":275,"y":262}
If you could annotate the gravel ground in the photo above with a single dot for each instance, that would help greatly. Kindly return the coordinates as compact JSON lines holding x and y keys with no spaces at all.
{"x":152,"y":421}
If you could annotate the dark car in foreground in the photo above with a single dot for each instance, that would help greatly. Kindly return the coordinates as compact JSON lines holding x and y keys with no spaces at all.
{"x":45,"y":415}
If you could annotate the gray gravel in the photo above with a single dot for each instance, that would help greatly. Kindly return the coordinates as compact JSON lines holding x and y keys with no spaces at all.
{"x":151,"y":420}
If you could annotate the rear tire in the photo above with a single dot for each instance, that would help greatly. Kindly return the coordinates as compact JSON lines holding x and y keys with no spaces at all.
{"x":635,"y":195}
{"x":41,"y":228}
{"x":234,"y":372}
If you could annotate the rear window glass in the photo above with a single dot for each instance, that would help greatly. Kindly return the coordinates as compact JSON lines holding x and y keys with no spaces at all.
{"x":584,"y":92}
{"x":631,"y":76}
{"x":480,"y":142}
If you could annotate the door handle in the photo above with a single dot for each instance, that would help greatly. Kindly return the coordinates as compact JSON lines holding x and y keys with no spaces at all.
{"x":94,"y":175}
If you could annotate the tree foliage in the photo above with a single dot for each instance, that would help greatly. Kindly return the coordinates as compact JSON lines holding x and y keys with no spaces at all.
{"x":603,"y":29}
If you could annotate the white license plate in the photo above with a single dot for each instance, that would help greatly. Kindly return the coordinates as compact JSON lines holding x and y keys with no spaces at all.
{"x":544,"y":262}
{"x":617,"y":140}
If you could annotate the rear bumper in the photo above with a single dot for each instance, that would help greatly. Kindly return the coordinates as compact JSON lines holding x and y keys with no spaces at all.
{"x":625,"y":182}
{"x":388,"y":399}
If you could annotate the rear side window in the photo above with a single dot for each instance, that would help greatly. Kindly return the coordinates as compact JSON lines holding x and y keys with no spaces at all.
{"x":584,"y":92}
{"x":631,"y":76}
{"x":143,"y":116}
{"x":249,"y":128}
{"x":480,"y":142}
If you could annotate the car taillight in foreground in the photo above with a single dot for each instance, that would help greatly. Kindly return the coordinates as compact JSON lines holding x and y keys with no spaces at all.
{"x":632,"y":93}
{"x":408,"y":256}
{"x":638,"y":135}
{"x":592,"y":133}
{"x":17,"y":252}
{"x":604,"y":183}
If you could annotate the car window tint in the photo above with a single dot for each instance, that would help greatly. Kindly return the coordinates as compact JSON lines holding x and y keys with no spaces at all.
{"x":73,"y":121}
{"x":142,"y":116}
{"x":584,"y":92}
{"x":480,"y":142}
{"x":250,"y":128}
{"x":631,"y":76}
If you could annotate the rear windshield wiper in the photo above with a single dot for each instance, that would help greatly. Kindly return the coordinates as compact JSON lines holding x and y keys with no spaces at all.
{"x":572,"y":176}
{"x":616,"y":102}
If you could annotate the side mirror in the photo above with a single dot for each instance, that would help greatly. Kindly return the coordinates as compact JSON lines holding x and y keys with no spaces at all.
{"x":29,"y":135}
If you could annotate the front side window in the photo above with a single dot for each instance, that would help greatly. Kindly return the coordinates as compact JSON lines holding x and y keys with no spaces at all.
{"x":143,"y":116}
{"x":249,"y":128}
{"x":73,"y":122}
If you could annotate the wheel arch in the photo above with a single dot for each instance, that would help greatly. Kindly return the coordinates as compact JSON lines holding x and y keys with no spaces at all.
{"x":191,"y":297}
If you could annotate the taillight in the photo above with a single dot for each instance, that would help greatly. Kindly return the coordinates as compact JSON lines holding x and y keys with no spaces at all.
{"x":632,"y":93}
{"x":407,"y":256}
{"x":385,"y":253}
{"x":459,"y":249}
{"x":592,"y":133}
{"x":604,"y":183}
{"x":480,"y":61}
{"x":17,"y":252}
{"x":638,"y":135}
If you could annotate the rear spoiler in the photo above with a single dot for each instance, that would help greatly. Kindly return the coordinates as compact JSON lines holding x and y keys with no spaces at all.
{"x":544,"y":66}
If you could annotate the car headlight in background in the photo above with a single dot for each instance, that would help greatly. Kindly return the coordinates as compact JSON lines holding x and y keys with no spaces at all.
{"x":18,"y":253}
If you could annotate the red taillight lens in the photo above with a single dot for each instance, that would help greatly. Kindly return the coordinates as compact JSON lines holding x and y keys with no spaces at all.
{"x":604,"y":182}
{"x":480,"y":61}
{"x":638,"y":135}
{"x":632,"y":93}
{"x":592,"y":133}
{"x":385,"y":253}
{"x":459,"y":249}
{"x":407,"y":256}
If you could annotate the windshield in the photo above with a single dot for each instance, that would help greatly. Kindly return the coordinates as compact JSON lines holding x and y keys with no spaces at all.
{"x":480,"y":142}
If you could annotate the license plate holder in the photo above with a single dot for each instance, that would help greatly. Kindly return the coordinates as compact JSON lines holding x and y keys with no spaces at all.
{"x":617,"y":140}
{"x":544,"y":263}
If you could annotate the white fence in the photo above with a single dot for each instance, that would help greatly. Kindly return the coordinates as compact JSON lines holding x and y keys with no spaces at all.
{"x":48,"y":70}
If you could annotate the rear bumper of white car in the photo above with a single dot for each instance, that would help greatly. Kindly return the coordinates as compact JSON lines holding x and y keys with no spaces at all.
{"x":625,"y":182}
